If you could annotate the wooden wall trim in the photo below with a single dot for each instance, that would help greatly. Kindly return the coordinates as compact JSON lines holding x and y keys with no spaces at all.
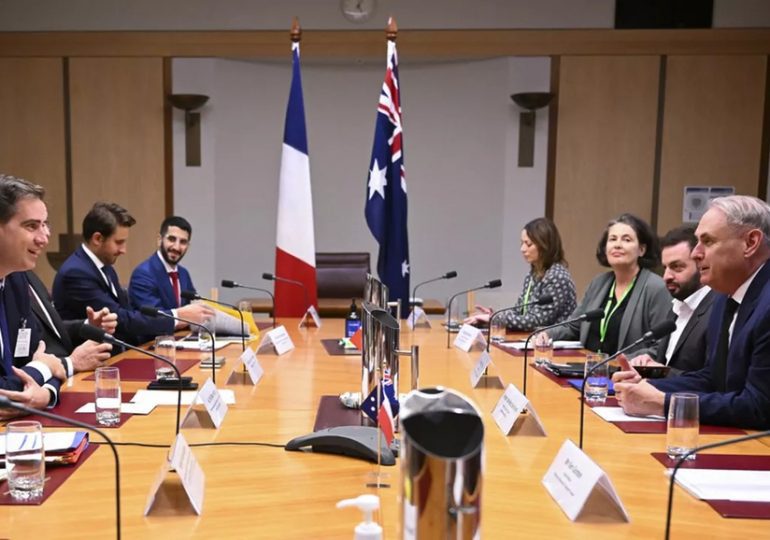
{"x":414,"y":44}
{"x":553,"y":131}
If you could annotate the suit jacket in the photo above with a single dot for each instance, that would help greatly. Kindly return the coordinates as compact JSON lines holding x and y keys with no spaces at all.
{"x":151,"y":286}
{"x":648,"y":305}
{"x":746,"y":400}
{"x":689,"y":354}
{"x":79,"y":283}
{"x":19,"y":315}
{"x":59,"y":344}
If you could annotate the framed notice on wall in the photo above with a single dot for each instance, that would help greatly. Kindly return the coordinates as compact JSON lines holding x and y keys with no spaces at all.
{"x":696,"y":199}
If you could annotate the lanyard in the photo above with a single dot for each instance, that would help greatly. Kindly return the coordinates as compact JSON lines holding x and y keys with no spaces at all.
{"x":526,"y":296}
{"x":608,"y":313}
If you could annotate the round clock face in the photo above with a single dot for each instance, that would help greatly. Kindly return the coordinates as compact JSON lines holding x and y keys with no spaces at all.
{"x":358,"y":11}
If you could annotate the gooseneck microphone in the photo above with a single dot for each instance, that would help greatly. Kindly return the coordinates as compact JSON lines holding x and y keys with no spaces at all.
{"x":449,"y":275}
{"x":230,"y":284}
{"x":97,"y":334}
{"x":681,"y":459}
{"x":588,"y":316}
{"x":658,"y":331}
{"x":192,"y":295}
{"x":495,"y":283}
{"x":5,"y":402}
{"x":270,"y":277}
{"x":155,"y":312}
{"x":544,"y":300}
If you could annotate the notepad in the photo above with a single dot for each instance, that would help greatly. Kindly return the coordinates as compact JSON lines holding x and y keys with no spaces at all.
{"x":732,"y":485}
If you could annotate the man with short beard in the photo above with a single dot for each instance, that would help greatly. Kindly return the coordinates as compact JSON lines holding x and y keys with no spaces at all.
{"x":685,"y":349}
{"x":159,"y":280}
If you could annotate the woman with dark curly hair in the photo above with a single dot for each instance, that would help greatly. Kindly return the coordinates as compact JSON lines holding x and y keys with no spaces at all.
{"x":548,"y":276}
{"x":633,"y":298}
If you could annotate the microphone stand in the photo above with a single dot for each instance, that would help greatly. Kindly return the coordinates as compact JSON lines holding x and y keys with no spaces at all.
{"x":5,"y":402}
{"x":233,"y":284}
{"x":681,"y":459}
{"x":149,"y":310}
{"x":448,"y":275}
{"x":192,"y":295}
{"x":97,"y":334}
{"x":489,"y":285}
{"x":272,"y":277}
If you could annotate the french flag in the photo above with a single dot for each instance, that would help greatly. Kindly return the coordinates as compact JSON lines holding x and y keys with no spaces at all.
{"x":295,"y":241}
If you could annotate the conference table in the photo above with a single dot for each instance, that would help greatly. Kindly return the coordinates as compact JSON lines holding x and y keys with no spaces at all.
{"x":256,"y":491}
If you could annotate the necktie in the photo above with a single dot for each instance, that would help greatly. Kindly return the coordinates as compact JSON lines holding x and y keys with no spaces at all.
{"x":175,"y":285}
{"x":723,"y":345}
{"x":112,"y":278}
{"x":7,"y":354}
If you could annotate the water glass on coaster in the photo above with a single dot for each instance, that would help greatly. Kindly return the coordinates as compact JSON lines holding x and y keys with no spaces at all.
{"x":25,"y":460}
{"x":108,"y":397}
{"x":683,"y":425}
{"x":165,"y":346}
{"x":598,"y":382}
{"x":497,"y":330}
{"x":543,"y":349}
{"x":205,"y":339}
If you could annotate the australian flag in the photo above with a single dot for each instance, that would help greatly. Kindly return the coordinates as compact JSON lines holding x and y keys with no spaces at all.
{"x":369,"y":405}
{"x":386,"y":188}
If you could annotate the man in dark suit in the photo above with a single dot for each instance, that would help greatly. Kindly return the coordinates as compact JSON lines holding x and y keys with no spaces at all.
{"x":734,"y":385}
{"x":62,"y":338}
{"x":87,"y":278}
{"x":159,"y":280}
{"x":24,"y":234}
{"x":684,"y":349}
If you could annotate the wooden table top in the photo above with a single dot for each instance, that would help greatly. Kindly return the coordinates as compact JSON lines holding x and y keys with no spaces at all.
{"x":263,"y":492}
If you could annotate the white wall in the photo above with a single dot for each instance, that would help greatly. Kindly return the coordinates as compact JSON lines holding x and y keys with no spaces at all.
{"x":467,"y":197}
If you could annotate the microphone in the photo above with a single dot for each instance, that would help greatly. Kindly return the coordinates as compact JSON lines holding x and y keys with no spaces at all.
{"x":681,"y":459}
{"x":5,"y":402}
{"x":449,"y":275}
{"x":192,"y":295}
{"x":658,"y":331}
{"x":97,"y":334}
{"x":544,"y":300}
{"x":155,"y":312}
{"x":488,"y":285}
{"x":588,"y":316}
{"x":270,"y":277}
{"x":229,"y":284}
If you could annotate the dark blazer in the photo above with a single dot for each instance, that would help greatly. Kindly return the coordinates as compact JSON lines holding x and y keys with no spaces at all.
{"x":19,"y":315}
{"x":79,"y":284}
{"x":68,"y":330}
{"x":745,"y":402}
{"x":151,"y":286}
{"x":690,"y":351}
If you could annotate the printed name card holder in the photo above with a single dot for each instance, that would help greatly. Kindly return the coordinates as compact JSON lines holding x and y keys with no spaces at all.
{"x":469,"y":337}
{"x":253,"y":370}
{"x":167,"y":497}
{"x":480,"y":378}
{"x":418,"y":319}
{"x":207,"y":409}
{"x":277,"y":340}
{"x":515,"y":415}
{"x":580,"y":487}
{"x":310,"y":318}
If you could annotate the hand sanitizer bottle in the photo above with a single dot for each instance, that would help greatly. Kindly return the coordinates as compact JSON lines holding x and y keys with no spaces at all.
{"x":367,"y":529}
{"x":352,"y":321}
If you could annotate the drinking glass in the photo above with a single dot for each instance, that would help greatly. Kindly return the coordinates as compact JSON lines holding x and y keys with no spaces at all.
{"x":205,"y":339}
{"x":683,"y":424}
{"x":598,"y":381}
{"x":497,"y":330}
{"x":25,"y":459}
{"x":543,"y":349}
{"x":108,"y":396}
{"x":165,"y":346}
{"x":245,"y":307}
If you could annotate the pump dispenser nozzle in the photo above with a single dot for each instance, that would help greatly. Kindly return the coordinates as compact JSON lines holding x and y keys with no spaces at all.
{"x":367,"y":529}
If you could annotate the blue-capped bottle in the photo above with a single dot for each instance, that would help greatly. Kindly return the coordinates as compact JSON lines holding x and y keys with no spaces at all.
{"x":352,"y":321}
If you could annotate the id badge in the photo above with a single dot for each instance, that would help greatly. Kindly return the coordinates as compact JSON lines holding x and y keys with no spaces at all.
{"x":22,"y":342}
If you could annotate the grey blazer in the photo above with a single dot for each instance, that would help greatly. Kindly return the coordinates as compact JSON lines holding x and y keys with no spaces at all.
{"x":648,"y":305}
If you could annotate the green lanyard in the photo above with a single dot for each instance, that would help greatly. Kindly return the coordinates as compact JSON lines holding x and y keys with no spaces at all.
{"x":605,"y":322}
{"x":526,"y":296}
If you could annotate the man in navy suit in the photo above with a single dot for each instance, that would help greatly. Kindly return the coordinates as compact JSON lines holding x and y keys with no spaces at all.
{"x":87,"y":277}
{"x":685,"y":349}
{"x":159,"y":280}
{"x":24,"y":234}
{"x":734,"y":385}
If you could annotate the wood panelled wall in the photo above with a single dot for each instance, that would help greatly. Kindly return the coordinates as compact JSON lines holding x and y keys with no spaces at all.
{"x":116,"y":134}
{"x":707,"y":127}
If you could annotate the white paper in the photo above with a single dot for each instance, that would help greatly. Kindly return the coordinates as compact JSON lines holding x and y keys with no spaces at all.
{"x":190,"y":472}
{"x":53,"y":441}
{"x":127,"y":408}
{"x":478,"y":370}
{"x":193,"y":345}
{"x":616,"y":414}
{"x":729,"y":485}
{"x":229,"y":324}
{"x":557,"y":345}
{"x":167,"y":397}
